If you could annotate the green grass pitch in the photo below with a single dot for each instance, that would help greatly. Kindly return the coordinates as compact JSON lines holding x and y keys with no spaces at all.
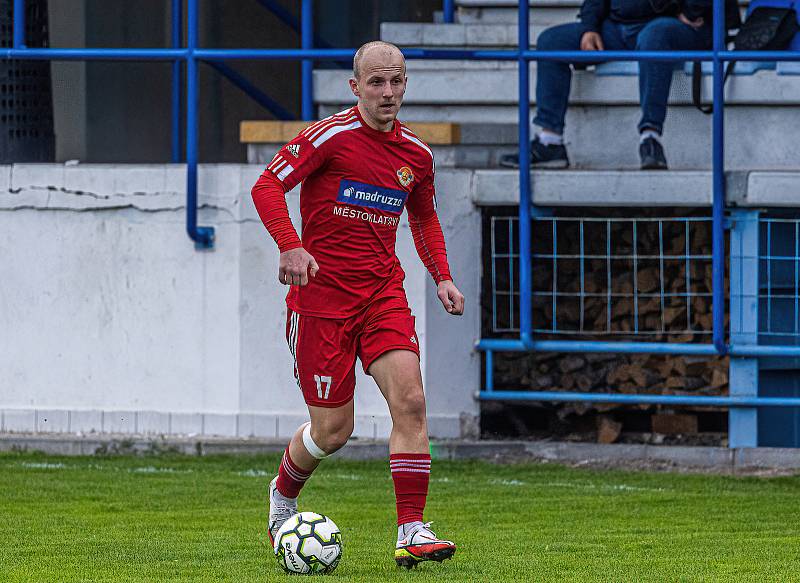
{"x":176,"y":518}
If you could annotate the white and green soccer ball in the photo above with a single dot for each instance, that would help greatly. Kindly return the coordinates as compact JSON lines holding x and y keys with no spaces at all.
{"x":308,"y":543}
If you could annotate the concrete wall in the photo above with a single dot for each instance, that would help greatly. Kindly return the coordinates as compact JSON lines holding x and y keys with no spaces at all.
{"x":110,"y":321}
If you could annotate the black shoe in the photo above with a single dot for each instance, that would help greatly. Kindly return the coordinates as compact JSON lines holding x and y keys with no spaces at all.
{"x":651,"y":155}
{"x":541,"y":156}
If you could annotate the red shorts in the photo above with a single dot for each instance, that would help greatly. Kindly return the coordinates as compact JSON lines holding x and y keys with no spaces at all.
{"x":325,"y":349}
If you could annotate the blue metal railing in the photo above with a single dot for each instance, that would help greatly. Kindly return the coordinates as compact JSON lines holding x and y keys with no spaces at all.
{"x":177,"y":42}
{"x":307,"y":72}
{"x":742,"y":433}
{"x":204,"y":236}
{"x":448,"y":10}
{"x":19,"y":24}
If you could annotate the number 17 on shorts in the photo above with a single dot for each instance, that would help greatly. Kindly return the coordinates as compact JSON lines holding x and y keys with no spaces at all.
{"x":324,"y":359}
{"x":323,"y":386}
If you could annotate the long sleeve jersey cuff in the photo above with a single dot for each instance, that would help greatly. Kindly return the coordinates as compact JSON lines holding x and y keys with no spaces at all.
{"x":270,"y":201}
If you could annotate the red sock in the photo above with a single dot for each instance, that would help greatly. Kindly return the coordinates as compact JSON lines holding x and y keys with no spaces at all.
{"x":410,"y":473}
{"x":291,"y":478}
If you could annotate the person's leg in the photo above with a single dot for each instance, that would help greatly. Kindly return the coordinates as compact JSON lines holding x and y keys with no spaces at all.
{"x":326,"y":433}
{"x":662,"y":34}
{"x":398,"y":376}
{"x":553,"y":78}
{"x":389,"y":351}
{"x":324,"y":367}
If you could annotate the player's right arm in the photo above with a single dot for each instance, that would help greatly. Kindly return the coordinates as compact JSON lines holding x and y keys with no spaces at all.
{"x":292,"y":164}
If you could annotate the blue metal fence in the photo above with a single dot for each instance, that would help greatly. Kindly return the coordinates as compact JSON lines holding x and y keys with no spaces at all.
{"x":593,"y":270}
{"x":191,"y":54}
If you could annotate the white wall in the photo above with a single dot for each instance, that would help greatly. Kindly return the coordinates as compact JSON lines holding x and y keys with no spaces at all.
{"x":111,"y":321}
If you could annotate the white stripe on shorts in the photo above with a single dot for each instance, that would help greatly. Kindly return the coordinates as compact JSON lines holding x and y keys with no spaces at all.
{"x":294,"y":328}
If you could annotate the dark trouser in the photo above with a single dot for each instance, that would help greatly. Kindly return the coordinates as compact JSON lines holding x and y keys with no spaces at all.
{"x":663,"y":33}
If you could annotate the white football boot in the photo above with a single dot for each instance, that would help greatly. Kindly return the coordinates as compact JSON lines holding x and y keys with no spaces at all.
{"x":281,"y":509}
{"x":421,"y":544}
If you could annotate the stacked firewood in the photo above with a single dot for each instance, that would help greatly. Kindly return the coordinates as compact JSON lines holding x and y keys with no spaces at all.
{"x":614,"y":373}
{"x":656,"y":296}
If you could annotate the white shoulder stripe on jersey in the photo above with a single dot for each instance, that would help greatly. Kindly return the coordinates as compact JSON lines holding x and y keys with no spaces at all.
{"x":417,"y":141}
{"x":311,"y":136}
{"x":333,"y":131}
{"x":288,"y":169}
{"x":331,"y":118}
{"x":316,"y":125}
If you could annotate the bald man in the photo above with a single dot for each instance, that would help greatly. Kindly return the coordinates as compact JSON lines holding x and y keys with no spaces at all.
{"x":359,"y":169}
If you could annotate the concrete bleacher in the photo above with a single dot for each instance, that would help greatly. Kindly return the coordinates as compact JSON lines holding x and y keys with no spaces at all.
{"x":477,"y":26}
{"x":762,"y":114}
{"x":461,"y":152}
{"x":762,"y":119}
{"x":762,"y":99}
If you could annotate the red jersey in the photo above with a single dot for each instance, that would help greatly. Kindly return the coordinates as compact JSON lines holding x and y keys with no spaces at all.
{"x":356,"y":181}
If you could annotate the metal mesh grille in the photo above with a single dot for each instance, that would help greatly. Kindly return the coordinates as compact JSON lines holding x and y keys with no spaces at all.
{"x":26,"y":110}
{"x":606,"y":276}
{"x":779,"y":271}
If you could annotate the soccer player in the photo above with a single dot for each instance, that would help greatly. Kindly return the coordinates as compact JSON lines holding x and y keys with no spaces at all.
{"x":359,"y":168}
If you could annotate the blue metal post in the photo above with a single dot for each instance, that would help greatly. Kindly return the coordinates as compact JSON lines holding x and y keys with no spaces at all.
{"x":203,"y":237}
{"x":743,"y":377}
{"x":718,"y":173}
{"x":307,"y":43}
{"x":489,"y":372}
{"x":448,"y":11}
{"x":19,"y":24}
{"x":177,"y":41}
{"x":525,"y":308}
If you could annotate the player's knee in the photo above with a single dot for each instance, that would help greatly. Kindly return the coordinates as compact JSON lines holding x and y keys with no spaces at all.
{"x":412,"y":403}
{"x":332,"y":438}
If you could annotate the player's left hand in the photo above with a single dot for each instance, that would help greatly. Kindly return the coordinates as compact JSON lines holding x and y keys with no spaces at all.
{"x":451,"y":298}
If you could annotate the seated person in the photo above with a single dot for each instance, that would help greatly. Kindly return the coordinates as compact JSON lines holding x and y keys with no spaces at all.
{"x":614,"y":25}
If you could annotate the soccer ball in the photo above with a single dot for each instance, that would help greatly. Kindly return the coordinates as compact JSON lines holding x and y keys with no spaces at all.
{"x":308,"y":543}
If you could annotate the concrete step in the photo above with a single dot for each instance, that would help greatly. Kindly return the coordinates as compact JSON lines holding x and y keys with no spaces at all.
{"x":472,"y":145}
{"x":280,"y":132}
{"x":761,"y":114}
{"x":455,"y":82}
{"x":635,"y":188}
{"x":475,"y":145}
{"x":488,"y":12}
{"x":756,"y":137}
{"x":503,"y":11}
{"x":461,"y":156}
{"x":497,"y":35}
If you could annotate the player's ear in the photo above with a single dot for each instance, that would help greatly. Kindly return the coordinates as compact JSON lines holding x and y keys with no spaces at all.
{"x":354,"y":87}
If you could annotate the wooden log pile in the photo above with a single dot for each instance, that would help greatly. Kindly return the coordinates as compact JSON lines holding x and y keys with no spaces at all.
{"x":612,"y":373}
{"x":658,"y":294}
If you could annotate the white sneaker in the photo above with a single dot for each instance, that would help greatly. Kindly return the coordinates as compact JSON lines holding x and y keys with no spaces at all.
{"x":421,"y":544}
{"x":281,"y":509}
